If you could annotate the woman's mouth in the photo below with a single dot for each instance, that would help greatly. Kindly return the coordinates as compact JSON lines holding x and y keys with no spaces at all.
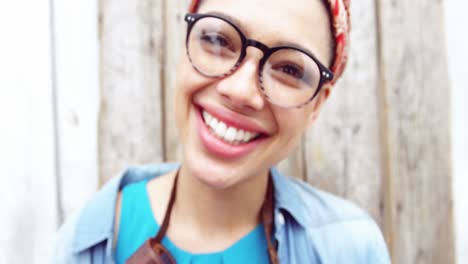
{"x":229,"y":138}
{"x":229,"y":134}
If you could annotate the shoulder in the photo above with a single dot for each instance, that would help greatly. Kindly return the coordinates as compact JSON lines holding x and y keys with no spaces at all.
{"x":313,"y":207}
{"x":87,"y":227}
{"x":338,"y":230}
{"x":93,"y":224}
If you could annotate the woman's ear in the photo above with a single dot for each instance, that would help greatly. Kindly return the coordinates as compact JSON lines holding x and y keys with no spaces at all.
{"x":320,"y":100}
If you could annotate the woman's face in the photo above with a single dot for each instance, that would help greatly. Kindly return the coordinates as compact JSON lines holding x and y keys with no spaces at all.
{"x":237,"y":101}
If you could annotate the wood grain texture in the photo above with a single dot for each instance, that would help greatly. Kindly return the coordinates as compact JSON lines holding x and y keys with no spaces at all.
{"x":416,"y":90}
{"x":77,"y":86}
{"x":176,"y":29}
{"x":28,"y":196}
{"x":131,"y":79}
{"x":343,"y":153}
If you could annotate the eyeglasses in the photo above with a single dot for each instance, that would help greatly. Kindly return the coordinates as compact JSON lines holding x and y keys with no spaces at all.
{"x":289,"y":76}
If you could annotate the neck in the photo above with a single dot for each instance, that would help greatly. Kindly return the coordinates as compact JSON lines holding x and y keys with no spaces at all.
{"x":216,"y":211}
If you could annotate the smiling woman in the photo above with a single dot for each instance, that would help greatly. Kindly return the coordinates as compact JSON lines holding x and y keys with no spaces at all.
{"x":248,"y":87}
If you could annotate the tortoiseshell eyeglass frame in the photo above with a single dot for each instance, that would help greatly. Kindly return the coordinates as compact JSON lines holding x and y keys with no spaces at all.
{"x":326,"y":75}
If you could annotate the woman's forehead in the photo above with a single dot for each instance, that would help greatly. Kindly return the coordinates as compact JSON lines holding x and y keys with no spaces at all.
{"x":305,"y":22}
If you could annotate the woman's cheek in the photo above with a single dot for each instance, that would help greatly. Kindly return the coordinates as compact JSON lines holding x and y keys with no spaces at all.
{"x":291,"y":120}
{"x":292,"y":124}
{"x":189,"y":80}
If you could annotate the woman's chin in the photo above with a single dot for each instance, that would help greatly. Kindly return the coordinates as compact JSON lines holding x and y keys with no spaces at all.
{"x":216,"y":176}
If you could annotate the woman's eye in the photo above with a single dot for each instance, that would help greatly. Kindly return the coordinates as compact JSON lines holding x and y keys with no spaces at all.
{"x":291,"y":70}
{"x":216,"y":40}
{"x":292,"y":75}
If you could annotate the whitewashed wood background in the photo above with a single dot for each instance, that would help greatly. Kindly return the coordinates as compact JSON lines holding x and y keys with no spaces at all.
{"x":92,"y":93}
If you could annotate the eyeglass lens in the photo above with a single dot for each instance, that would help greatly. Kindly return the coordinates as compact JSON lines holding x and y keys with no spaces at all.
{"x":289,"y":77}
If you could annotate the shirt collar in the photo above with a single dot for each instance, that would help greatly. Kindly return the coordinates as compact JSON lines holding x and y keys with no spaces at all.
{"x":288,"y":198}
{"x":96,"y":221}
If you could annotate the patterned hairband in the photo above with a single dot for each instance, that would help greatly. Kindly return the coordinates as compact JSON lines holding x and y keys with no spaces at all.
{"x":339,"y":11}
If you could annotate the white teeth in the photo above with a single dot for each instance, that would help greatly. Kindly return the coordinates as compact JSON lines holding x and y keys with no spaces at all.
{"x":213,"y":123}
{"x":240,"y":135}
{"x":221,"y":129}
{"x":247,"y":135}
{"x":207,"y":117}
{"x":231,"y":135}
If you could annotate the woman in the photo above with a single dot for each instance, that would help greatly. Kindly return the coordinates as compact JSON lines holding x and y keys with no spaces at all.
{"x":255,"y":75}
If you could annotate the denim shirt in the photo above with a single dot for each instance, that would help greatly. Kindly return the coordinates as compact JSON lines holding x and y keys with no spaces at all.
{"x":311,"y":226}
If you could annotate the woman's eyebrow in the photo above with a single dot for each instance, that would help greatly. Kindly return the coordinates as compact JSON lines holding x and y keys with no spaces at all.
{"x":293,"y":44}
{"x":232,"y":19}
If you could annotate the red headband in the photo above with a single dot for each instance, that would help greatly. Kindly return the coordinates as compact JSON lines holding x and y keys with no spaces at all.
{"x":339,"y":11}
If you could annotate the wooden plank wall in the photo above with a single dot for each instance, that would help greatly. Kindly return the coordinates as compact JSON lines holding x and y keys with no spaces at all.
{"x":131,"y":112}
{"x":28,"y":196}
{"x":381,"y":141}
{"x":415,"y":94}
{"x":77,"y":101}
{"x":49,"y":101}
{"x":456,"y":21}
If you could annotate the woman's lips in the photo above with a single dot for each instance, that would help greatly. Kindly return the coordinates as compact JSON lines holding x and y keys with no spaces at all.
{"x":234,"y":119}
{"x":219,"y":147}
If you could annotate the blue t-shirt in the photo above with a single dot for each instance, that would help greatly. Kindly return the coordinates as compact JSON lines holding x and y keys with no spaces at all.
{"x":137,"y":224}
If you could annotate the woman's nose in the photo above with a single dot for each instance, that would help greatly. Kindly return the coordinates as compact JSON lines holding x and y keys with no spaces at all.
{"x":241,"y":88}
